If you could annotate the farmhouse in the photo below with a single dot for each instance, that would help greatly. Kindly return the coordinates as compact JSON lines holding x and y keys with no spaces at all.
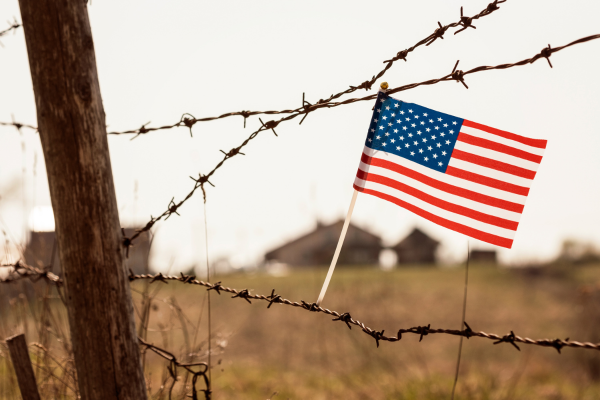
{"x":416,"y":248}
{"x":40,"y":250}
{"x":317,"y":247}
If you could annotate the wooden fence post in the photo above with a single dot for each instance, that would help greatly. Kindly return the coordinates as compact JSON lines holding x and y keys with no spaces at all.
{"x":72,"y":129}
{"x":19,"y":354}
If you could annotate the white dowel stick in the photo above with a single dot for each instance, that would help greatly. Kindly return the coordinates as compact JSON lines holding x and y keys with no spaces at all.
{"x":338,"y":249}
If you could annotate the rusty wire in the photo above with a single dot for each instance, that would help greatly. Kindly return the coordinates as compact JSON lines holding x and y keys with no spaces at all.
{"x":456,"y":75}
{"x":422,"y":331}
{"x":13,"y":27}
{"x":188,"y":120}
{"x":174,"y":364}
{"x":19,"y":271}
{"x":274,"y":298}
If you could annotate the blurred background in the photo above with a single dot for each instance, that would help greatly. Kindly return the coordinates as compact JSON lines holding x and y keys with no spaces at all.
{"x":275,"y":214}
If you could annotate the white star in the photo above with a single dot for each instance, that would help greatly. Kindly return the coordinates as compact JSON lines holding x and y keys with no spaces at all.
{"x":407,"y":145}
{"x":381,"y":100}
{"x":453,"y":122}
{"x":389,"y":124}
{"x":435,"y":156}
{"x":433,"y":137}
{"x":420,"y":150}
{"x":372,"y":130}
{"x":416,"y":143}
{"x":416,"y":116}
{"x":405,"y":128}
{"x":410,"y":111}
{"x":380,"y":127}
{"x":388,"y":108}
{"x":402,"y":112}
{"x":427,"y":129}
{"x":412,"y":153}
{"x":429,"y":148}
{"x":422,"y":123}
{"x":442,"y":134}
{"x":447,"y":142}
{"x":413,"y":125}
{"x":431,"y":121}
{"x":424,"y":114}
{"x":399,"y":121}
{"x":393,"y":141}
{"x":418,"y":132}
{"x":401,"y":137}
{"x":424,"y":140}
{"x":408,"y":119}
{"x":384,"y":117}
{"x":384,"y":144}
{"x":409,"y":134}
{"x":443,"y":153}
{"x":437,"y":127}
{"x":378,"y":137}
{"x":397,"y":147}
{"x":395,"y":130}
{"x":379,"y":110}
{"x":445,"y":125}
{"x":439,"y":145}
{"x":426,"y":159}
{"x":451,"y":131}
{"x":370,"y":140}
{"x":439,"y":119}
{"x":440,"y":164}
{"x":393,"y":115}
{"x":387,"y":134}
{"x":375,"y":120}
{"x":396,"y":105}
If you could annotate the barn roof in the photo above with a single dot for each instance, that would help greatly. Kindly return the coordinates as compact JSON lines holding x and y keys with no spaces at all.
{"x":416,"y":237}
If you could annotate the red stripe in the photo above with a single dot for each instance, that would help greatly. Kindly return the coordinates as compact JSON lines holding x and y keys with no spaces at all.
{"x":502,"y":148}
{"x":446,"y":187}
{"x":493,"y":164}
{"x":466,"y":230}
{"x":487,"y":181}
{"x":539,"y":143}
{"x":443,"y":204}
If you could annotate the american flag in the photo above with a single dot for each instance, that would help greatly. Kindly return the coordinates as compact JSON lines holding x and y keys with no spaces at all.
{"x":462,"y":175}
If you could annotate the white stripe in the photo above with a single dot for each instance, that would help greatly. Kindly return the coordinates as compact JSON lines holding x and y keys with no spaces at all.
{"x":496,"y":155}
{"x":489,"y":172}
{"x":495,"y":138}
{"x":452,"y":180}
{"x":461,"y":219}
{"x":440,"y":194}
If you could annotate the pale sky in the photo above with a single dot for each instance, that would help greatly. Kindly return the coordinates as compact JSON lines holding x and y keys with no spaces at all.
{"x":158,"y":60}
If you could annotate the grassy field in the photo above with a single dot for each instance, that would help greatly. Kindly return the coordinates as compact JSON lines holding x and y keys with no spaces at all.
{"x":300,"y":355}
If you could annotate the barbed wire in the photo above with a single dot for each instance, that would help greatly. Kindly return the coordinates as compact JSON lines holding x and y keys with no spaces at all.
{"x":456,"y":75}
{"x":188,"y":120}
{"x":174,"y":364}
{"x":345,"y":317}
{"x":13,"y":27}
{"x":19,"y":271}
{"x":422,"y":331}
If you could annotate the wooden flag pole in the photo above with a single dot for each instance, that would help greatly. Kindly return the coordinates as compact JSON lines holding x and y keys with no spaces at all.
{"x":338,"y":249}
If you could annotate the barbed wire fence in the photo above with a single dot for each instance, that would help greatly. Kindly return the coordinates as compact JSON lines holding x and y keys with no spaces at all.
{"x":24,"y":271}
{"x":13,"y":26}
{"x":21,"y":271}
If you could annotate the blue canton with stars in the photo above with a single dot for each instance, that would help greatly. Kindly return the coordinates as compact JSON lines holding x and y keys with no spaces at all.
{"x":416,"y":133}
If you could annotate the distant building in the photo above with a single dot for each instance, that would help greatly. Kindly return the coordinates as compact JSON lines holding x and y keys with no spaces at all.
{"x":416,"y":248}
{"x":317,"y":247}
{"x":40,"y":248}
{"x":483,"y":256}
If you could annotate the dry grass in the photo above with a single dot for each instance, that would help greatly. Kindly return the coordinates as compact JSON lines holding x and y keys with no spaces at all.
{"x":300,"y":355}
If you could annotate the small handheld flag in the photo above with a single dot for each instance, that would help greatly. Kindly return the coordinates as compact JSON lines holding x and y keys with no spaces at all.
{"x":462,"y":175}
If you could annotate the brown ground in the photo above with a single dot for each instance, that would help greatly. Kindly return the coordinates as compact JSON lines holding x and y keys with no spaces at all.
{"x":302,"y":355}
